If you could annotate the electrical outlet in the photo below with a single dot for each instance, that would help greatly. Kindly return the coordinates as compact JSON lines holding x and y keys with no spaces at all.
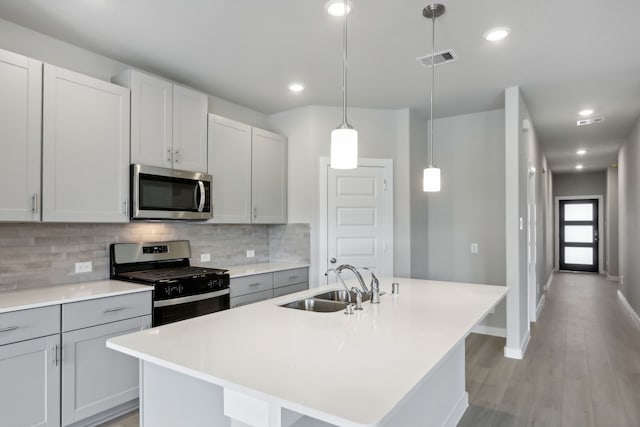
{"x":474,"y":248}
{"x":205,"y":257}
{"x":251,"y":253}
{"x":84,"y":267}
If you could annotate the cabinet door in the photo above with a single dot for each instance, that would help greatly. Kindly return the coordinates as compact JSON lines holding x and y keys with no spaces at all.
{"x":94,"y":377}
{"x":30,"y":385}
{"x":189,"y":129}
{"x":269,"y":177}
{"x":151,"y":120}
{"x":230,"y":166}
{"x":20,"y":129}
{"x":85,"y":148}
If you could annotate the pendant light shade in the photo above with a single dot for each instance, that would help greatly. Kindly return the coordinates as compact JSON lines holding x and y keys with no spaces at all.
{"x":344,"y":139}
{"x":344,"y":148}
{"x":431,"y":179}
{"x":431,"y":175}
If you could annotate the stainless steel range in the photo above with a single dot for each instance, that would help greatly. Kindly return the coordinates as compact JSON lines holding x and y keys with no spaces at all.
{"x":180,"y":290}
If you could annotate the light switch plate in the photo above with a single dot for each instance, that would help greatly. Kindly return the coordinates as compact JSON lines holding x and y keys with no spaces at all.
{"x":251,"y":253}
{"x":474,"y":248}
{"x":205,"y":257}
{"x":84,"y":267}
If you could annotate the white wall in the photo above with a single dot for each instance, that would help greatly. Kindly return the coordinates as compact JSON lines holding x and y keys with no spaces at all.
{"x":56,"y":52}
{"x":419,"y":199}
{"x":629,"y":212}
{"x":516,"y":210}
{"x":580,"y":184}
{"x":469,"y":150}
{"x":381,"y":134}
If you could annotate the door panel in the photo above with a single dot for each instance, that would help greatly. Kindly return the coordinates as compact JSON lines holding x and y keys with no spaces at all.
{"x":578,"y":225}
{"x":356,"y":219}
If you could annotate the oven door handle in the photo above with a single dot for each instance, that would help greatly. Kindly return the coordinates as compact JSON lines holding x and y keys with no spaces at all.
{"x":190,"y":298}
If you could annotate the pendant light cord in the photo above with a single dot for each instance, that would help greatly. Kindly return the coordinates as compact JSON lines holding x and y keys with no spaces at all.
{"x":344,"y":67}
{"x":433,"y":72}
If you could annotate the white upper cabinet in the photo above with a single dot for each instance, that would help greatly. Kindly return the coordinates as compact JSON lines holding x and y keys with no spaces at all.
{"x":20,"y":137}
{"x":151,"y":120}
{"x":168,"y":123}
{"x":249,"y":169}
{"x":269,"y":177}
{"x":230,"y":166}
{"x":85,"y":142}
{"x":189,"y":129}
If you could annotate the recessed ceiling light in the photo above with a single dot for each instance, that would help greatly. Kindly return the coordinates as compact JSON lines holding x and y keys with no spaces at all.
{"x":586,"y":112}
{"x":579,"y":167}
{"x":581,"y":152}
{"x":496,"y":34}
{"x":296,"y":87}
{"x":336,"y":7}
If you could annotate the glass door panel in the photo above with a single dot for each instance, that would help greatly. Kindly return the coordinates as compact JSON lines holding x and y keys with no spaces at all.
{"x":578,"y":212}
{"x":580,"y":256}
{"x":578,"y":233}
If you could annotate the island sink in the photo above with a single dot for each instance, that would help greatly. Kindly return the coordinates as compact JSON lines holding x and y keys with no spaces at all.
{"x":317,"y":305}
{"x":341,"y":295}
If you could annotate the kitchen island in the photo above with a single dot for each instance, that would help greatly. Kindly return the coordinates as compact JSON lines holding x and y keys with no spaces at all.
{"x":397,"y":363}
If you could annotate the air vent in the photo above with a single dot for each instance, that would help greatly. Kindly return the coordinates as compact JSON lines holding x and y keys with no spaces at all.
{"x":585,"y":122}
{"x":439,"y":58}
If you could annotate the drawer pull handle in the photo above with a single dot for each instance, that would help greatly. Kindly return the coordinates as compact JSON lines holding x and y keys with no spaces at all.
{"x":112,"y":310}
{"x":56,"y":359}
{"x":254,"y":284}
{"x":293,"y":277}
{"x":8,"y":328}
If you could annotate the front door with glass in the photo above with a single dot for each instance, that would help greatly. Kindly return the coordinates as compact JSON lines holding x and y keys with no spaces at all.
{"x":578,"y":224}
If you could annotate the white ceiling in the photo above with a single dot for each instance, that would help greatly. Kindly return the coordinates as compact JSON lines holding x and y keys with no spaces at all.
{"x":565,"y":55}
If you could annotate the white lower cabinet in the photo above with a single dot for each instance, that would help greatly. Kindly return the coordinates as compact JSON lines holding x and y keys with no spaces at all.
{"x":55,"y":368}
{"x":259,"y":287}
{"x":95,"y":378}
{"x":30,"y":383}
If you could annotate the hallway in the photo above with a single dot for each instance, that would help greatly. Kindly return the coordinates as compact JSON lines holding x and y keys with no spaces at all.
{"x":582,"y":366}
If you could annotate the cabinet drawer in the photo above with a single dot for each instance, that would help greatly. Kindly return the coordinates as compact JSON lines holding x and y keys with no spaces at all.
{"x":290,"y":277}
{"x":98,"y":311}
{"x":284,"y":290}
{"x":26,"y":324}
{"x":251,"y":298}
{"x":250,"y":284}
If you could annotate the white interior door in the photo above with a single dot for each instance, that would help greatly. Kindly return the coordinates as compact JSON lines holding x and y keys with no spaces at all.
{"x":359,"y":218}
{"x":531,"y":252}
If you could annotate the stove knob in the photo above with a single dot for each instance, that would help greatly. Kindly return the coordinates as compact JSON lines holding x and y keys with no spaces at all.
{"x":211,"y":284}
{"x":180,"y":288}
{"x":167,"y":290}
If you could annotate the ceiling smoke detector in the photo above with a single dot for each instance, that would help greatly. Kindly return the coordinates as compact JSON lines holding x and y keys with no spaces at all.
{"x":438,"y":58}
{"x":585,"y":122}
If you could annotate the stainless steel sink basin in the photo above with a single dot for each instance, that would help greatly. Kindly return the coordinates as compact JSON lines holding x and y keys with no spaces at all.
{"x":317,"y":305}
{"x":341,"y":295}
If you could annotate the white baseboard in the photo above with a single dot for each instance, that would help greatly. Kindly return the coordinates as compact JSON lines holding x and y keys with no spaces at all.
{"x":458,"y":411}
{"x":490,"y":330}
{"x":518,"y":353}
{"x":630,"y":309}
{"x":613,"y":278}
{"x":540,"y":305}
{"x":547,"y":286}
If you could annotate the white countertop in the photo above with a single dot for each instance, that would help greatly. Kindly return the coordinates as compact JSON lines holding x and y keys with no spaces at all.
{"x":343,"y":369}
{"x":62,"y":294}
{"x":236,"y":271}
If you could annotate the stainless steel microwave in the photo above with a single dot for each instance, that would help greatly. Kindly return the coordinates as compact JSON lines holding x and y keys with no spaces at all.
{"x":161,"y":193}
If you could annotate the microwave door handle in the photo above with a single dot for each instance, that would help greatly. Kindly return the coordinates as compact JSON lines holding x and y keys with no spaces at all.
{"x":203,"y":196}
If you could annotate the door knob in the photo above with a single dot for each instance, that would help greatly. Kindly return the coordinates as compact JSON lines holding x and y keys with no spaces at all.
{"x":332,"y":260}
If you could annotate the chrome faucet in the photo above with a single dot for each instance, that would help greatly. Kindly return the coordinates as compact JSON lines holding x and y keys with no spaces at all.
{"x":355,"y":271}
{"x":375,"y":288}
{"x":349,"y":308}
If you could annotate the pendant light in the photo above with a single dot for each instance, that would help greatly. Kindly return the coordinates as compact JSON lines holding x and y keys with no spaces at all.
{"x":431,"y":175}
{"x":344,"y":139}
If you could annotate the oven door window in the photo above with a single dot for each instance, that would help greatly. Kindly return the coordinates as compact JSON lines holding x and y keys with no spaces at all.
{"x":175,"y":313}
{"x":168,"y":194}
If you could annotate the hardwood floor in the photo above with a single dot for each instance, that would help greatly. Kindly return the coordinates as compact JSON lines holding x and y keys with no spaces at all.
{"x":582,"y":366}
